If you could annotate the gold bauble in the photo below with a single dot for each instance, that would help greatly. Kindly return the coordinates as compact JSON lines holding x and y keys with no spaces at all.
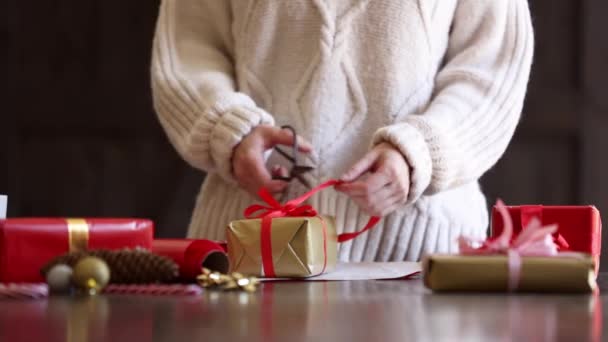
{"x":91,"y":274}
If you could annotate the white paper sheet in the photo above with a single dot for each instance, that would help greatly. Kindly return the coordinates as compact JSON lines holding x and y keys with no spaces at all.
{"x":366,"y":271}
{"x":3,"y":200}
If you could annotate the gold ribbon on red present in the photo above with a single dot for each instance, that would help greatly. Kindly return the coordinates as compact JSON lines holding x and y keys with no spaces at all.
{"x":78,"y":230}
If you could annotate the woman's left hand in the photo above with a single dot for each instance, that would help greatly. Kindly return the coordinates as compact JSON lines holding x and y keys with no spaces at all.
{"x":379,"y":183}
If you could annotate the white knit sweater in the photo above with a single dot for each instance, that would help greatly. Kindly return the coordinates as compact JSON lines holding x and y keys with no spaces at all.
{"x":442,"y":80}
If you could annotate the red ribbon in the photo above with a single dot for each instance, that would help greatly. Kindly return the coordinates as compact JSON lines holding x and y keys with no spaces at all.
{"x":292,"y":208}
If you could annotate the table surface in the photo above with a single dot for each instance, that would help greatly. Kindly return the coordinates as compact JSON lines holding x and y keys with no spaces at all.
{"x":396,"y":310}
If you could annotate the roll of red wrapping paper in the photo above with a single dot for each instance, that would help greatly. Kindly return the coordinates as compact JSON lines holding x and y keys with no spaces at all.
{"x":192,"y":254}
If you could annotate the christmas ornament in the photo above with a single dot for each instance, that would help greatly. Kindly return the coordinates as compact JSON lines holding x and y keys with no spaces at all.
{"x":91,"y":274}
{"x":23,"y":291}
{"x":59,"y":278}
{"x":128,"y":266}
{"x":227,"y":282}
{"x":154,"y":289}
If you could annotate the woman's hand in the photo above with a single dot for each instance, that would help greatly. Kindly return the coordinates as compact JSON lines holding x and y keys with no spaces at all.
{"x":248,"y":164}
{"x":379,"y":183}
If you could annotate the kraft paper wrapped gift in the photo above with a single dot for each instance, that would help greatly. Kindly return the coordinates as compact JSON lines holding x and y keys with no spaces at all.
{"x":525,"y":259}
{"x":286,"y":240}
{"x":299,"y":246}
{"x":571,"y":273}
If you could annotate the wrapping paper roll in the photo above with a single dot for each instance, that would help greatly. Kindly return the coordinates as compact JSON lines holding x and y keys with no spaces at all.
{"x":191,"y":255}
{"x":154,"y":289}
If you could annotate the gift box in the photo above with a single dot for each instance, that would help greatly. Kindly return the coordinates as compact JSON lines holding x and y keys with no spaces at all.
{"x":528,"y":259}
{"x":286,"y":240}
{"x":571,"y":273}
{"x":27,"y":244}
{"x":293,"y":246}
{"x":192,"y":254}
{"x":579,"y":227}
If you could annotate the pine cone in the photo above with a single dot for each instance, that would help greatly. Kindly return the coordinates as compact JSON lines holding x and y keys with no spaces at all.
{"x":127,"y":266}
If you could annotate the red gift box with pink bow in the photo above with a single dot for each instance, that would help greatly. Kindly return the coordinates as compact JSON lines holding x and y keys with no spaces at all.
{"x":579,"y":227}
{"x":528,"y":252}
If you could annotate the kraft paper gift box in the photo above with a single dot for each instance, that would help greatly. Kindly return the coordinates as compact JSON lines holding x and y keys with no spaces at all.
{"x":300,"y":246}
{"x":286,"y":240}
{"x":490,"y":273}
{"x":529,"y":252}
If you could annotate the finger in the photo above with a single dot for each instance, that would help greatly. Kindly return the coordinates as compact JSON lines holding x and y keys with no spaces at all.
{"x":355,"y":188}
{"x":279,"y":171}
{"x":283,"y":172}
{"x":379,"y":197}
{"x":363,"y":165}
{"x":253,"y":172}
{"x":374,"y":203}
{"x":276,"y":186}
{"x":382,"y":206}
{"x":277,"y":136}
{"x":392,"y":204}
{"x":349,"y":188}
{"x":362,"y":203}
{"x":275,"y":171}
{"x":304,"y":145}
{"x":366,"y":185}
{"x":400,"y":185}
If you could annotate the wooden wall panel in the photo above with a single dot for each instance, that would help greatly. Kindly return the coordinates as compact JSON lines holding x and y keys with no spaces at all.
{"x":557,"y":27}
{"x":594,"y":70}
{"x":533,"y":172}
{"x":106,"y":177}
{"x":542,"y":164}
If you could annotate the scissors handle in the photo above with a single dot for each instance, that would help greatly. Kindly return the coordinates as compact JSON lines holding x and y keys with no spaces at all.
{"x":296,"y":171}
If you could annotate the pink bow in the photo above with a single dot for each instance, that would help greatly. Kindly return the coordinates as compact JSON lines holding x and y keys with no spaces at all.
{"x":533,"y":240}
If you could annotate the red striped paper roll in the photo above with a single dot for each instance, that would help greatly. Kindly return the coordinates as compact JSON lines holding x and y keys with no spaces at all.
{"x":154,"y":290}
{"x":24,"y":291}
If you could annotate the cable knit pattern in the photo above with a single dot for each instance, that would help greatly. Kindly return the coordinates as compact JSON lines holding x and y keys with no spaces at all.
{"x":441,"y":80}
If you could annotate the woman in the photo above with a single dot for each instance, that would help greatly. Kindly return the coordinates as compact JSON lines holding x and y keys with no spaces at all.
{"x":408,"y":101}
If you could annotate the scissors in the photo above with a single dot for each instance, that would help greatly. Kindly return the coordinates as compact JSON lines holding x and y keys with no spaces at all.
{"x":296,"y":171}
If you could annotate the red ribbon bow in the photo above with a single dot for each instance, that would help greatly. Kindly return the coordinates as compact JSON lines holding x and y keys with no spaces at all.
{"x":292,"y":208}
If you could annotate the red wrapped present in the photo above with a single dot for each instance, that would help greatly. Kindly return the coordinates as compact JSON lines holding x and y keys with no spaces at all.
{"x":27,"y":244}
{"x":579,"y":227}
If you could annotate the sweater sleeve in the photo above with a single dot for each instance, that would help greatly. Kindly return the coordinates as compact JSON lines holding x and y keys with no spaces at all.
{"x":477,"y":99}
{"x":193,"y":84}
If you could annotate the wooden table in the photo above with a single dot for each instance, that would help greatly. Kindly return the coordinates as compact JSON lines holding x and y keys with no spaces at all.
{"x":300,"y":311}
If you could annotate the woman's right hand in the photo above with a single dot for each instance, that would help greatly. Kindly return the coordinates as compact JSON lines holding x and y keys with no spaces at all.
{"x":248,"y":164}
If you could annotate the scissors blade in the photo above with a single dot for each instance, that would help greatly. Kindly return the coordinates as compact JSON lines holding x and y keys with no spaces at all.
{"x":284,"y":154}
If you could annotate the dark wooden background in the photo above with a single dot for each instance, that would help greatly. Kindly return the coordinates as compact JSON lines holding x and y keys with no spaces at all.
{"x":79,"y":137}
